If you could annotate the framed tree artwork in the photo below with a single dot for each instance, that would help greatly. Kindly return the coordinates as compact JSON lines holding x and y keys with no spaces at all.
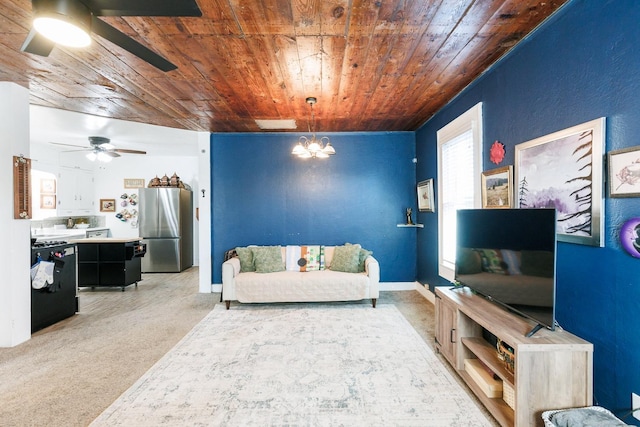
{"x":563,"y":170}
{"x":624,"y":172}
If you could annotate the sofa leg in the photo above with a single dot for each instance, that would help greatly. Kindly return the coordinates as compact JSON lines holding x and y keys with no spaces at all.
{"x":228,"y":304}
{"x":373,"y":302}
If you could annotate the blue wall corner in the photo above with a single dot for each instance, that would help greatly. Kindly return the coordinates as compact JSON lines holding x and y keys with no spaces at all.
{"x":582,"y":64}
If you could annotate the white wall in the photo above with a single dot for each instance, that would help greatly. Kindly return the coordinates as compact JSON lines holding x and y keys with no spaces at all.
{"x":15,"y":288}
{"x":109,"y":184}
{"x":168,"y":150}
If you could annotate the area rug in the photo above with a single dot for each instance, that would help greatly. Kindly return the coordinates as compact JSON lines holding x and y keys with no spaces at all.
{"x":297,"y":365}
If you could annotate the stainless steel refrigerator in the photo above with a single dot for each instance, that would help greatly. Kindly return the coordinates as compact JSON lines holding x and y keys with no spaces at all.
{"x":166,"y":226}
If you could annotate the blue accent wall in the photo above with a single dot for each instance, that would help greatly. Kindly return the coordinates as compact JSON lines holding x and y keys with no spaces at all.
{"x":582,"y":64}
{"x":263,"y":195}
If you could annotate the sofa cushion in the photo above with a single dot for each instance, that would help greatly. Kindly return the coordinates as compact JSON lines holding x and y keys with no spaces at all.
{"x":290,"y":286}
{"x":246,"y":259}
{"x":346,"y":258}
{"x":267,"y":259}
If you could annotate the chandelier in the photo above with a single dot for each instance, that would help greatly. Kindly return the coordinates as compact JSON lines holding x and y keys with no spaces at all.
{"x":313,"y":148}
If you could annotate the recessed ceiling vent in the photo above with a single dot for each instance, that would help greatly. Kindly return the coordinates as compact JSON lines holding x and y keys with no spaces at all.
{"x":278,"y":124}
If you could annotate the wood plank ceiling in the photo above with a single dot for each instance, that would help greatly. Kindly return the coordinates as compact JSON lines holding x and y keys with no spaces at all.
{"x":374,"y":65}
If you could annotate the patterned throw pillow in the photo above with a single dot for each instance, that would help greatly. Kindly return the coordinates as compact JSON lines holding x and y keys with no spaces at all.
{"x":314,"y":256}
{"x":267,"y":259}
{"x":246,"y":259}
{"x":305,"y":258}
{"x":346,"y":258}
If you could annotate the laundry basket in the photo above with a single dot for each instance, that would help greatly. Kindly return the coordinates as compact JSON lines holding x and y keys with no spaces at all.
{"x":591,"y":416}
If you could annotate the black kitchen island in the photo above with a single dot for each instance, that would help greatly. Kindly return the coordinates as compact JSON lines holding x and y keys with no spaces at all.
{"x":109,"y":262}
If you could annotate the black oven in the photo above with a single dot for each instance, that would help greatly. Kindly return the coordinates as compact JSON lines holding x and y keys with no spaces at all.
{"x":57,"y":300}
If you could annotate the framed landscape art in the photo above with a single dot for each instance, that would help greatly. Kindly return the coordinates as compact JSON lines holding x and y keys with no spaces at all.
{"x":497,"y":190}
{"x":563,"y":170}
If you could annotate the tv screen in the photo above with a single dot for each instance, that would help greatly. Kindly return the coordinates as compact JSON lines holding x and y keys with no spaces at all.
{"x":509,"y":256}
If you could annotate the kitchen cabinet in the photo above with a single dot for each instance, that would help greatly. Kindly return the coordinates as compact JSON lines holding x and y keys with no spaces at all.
{"x":75,"y":192}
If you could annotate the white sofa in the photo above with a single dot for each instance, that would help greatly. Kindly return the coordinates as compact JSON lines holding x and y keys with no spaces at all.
{"x":296,"y":286}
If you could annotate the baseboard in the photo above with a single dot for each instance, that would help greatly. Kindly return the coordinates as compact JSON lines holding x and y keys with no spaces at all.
{"x":397,"y":286}
{"x":425,"y":292}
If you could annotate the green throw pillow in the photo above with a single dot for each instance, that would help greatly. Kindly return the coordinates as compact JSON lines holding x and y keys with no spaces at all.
{"x":346,"y":258}
{"x":246,"y":259}
{"x":363,"y":255}
{"x":267,"y":259}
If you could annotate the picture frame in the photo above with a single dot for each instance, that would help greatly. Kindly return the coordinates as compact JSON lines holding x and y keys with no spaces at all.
{"x":47,"y":201}
{"x":107,"y":205}
{"x":47,"y":186}
{"x":497,"y":188}
{"x":563,"y":170}
{"x":624,"y":172}
{"x":133,"y":182}
{"x":425,"y":196}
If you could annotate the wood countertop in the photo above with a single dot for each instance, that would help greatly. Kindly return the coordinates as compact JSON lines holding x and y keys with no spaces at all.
{"x":106,"y":240}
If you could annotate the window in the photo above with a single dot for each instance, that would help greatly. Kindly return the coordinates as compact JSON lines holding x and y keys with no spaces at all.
{"x":459,"y":170}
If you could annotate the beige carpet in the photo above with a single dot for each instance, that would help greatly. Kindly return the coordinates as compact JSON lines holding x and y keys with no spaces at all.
{"x":69,"y":373}
{"x":298,"y":364}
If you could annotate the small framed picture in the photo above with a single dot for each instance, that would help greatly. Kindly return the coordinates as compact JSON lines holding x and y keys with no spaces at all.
{"x":47,"y":186}
{"x":497,"y":189}
{"x":624,"y":172}
{"x":107,"y":205}
{"x":425,"y":196}
{"x":47,"y":201}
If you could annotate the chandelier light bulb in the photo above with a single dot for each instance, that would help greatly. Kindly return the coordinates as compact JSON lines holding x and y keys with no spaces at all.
{"x":312,"y":147}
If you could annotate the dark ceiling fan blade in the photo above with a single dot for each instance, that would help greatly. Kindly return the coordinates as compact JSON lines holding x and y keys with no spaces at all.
{"x":37,"y":44}
{"x":124,"y":150}
{"x":144,"y":7}
{"x":116,"y":37}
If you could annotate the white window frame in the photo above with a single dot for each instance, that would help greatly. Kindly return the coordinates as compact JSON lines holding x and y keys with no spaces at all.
{"x":469,"y":120}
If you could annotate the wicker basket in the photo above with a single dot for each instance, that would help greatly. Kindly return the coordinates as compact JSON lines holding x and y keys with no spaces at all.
{"x":508,"y":395}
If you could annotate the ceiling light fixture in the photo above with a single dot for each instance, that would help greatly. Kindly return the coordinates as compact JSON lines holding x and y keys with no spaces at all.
{"x":313,"y":148}
{"x":67,"y":22}
{"x":100,"y":155}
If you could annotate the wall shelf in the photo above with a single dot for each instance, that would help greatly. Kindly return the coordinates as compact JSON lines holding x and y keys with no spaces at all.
{"x":410,"y":225}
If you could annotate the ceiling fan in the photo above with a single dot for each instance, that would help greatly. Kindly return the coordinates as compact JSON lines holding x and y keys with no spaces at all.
{"x":101,"y":149}
{"x":52,"y":19}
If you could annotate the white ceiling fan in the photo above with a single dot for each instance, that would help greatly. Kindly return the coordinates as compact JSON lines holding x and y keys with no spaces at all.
{"x":101,"y":149}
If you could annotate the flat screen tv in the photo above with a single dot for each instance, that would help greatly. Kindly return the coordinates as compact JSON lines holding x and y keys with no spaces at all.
{"x":509,"y":257}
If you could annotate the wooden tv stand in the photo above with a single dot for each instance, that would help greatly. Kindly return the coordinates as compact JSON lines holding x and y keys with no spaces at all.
{"x":553,"y":369}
